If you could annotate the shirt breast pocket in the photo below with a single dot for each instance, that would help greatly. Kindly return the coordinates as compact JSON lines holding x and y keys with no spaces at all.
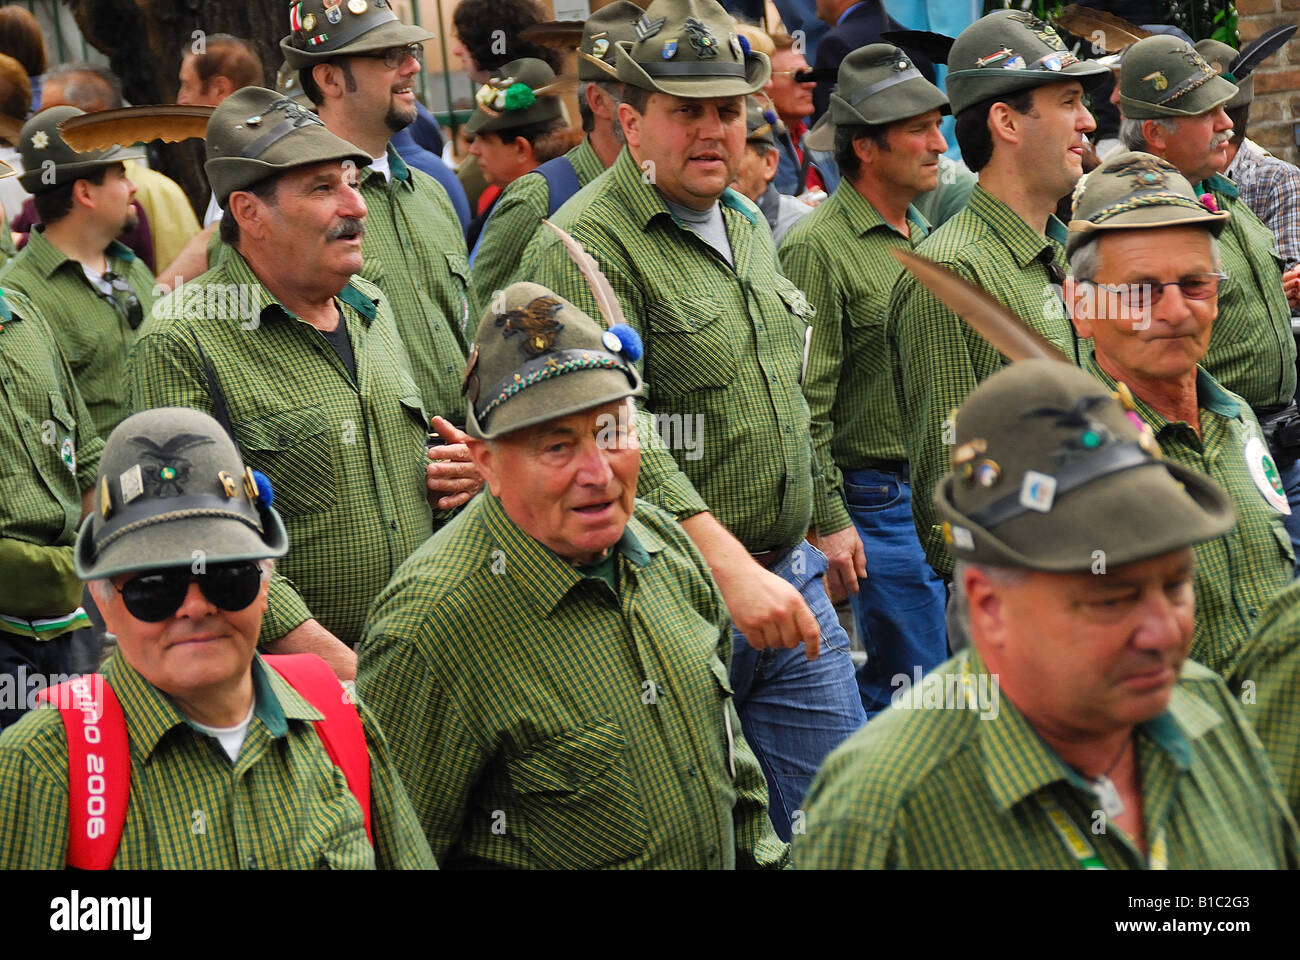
{"x":689,"y":347}
{"x":295,"y":450}
{"x":458,"y":267}
{"x":579,"y":801}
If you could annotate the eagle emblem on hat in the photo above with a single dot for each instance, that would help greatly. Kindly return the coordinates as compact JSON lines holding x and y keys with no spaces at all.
{"x":536,"y":321}
{"x":704,"y":43}
{"x":167,"y":469}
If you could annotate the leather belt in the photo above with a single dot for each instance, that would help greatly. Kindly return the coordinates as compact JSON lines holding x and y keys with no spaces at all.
{"x":886,"y":466}
{"x":770,"y":558}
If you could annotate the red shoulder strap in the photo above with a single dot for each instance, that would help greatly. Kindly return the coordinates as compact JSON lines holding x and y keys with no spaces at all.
{"x":340,"y":731}
{"x":99,"y":768}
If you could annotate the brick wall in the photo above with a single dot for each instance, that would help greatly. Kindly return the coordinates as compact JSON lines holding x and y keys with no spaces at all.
{"x":1276,"y":110}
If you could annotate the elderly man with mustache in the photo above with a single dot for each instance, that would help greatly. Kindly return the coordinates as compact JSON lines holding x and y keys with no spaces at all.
{"x":1173,"y":105}
{"x":305,"y":364}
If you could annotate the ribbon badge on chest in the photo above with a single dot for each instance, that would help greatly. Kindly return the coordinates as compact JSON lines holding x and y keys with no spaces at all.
{"x":1266,"y":475}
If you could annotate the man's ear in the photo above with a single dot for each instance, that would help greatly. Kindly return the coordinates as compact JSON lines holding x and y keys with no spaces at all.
{"x":484,"y":460}
{"x":1080,"y":297}
{"x":1155,"y":135}
{"x":249,"y":212}
{"x":600,"y":103}
{"x":771,"y":160}
{"x":82,"y":194}
{"x":986,"y":608}
{"x":631,"y":123}
{"x":1003,"y":123}
{"x":222,"y":87}
{"x":329,"y":79}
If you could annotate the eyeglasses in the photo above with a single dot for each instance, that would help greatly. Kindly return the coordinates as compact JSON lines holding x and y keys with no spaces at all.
{"x":153,"y":597}
{"x":124,"y":298}
{"x":1141,"y":296}
{"x":394,"y":57}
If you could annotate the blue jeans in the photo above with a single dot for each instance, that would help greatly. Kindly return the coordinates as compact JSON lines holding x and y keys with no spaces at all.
{"x":793,"y":710}
{"x":899,"y":608}
{"x":1291,"y":481}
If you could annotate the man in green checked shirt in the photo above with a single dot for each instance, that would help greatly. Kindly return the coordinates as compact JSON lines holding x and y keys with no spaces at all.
{"x":1173,"y":106}
{"x":1145,"y":273}
{"x":692,"y":264}
{"x":1018,"y":96}
{"x":305,"y":358}
{"x":551,"y":667}
{"x":1075,"y":732}
{"x":49,"y":449}
{"x":90,"y":287}
{"x":518,"y":213}
{"x":222,"y":761}
{"x":883,"y":124}
{"x":358,"y":63}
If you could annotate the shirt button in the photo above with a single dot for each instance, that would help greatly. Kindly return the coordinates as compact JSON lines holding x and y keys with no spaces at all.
{"x":713,"y":853}
{"x":1254,"y":612}
{"x":393,"y":524}
{"x":690,"y":769}
{"x":250,"y":862}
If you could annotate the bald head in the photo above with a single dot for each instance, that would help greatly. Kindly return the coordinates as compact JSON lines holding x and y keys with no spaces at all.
{"x":81,"y":85}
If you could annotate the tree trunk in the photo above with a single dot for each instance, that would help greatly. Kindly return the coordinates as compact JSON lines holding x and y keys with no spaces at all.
{"x":145,"y":41}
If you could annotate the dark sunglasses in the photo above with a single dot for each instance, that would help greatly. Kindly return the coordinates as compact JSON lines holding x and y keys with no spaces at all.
{"x":153,"y":597}
{"x":394,"y":57}
{"x":124,"y":298}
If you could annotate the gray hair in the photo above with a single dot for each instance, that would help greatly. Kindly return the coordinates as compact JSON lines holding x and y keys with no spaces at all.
{"x":1130,"y":131}
{"x":614,"y":89}
{"x":87,"y":86}
{"x":1086,"y":258}
{"x":959,"y":604}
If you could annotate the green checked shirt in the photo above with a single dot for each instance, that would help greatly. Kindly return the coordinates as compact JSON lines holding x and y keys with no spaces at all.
{"x":415,"y":253}
{"x":839,"y":256}
{"x":1252,"y":351}
{"x":515,"y":218}
{"x":930,"y":788}
{"x":49,"y":455}
{"x":93,"y":333}
{"x":346,"y":458}
{"x":938,"y":359}
{"x":1266,"y":682}
{"x":282,"y":805}
{"x":1237,"y":575}
{"x":724,"y":351}
{"x":541,"y":719}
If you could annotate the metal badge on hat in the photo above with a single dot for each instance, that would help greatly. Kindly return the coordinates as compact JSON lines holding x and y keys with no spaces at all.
{"x":647,"y":28}
{"x":670,"y":49}
{"x":357,"y":7}
{"x":1157,"y":79}
{"x":600,"y":45}
{"x":334,"y":11}
{"x":1146,"y":171}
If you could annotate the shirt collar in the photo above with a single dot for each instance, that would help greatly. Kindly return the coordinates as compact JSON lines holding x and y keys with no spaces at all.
{"x":847,"y":12}
{"x":1018,"y":762}
{"x":1022,"y":240}
{"x":150,"y":714}
{"x":397,"y":167}
{"x":584,"y":161}
{"x":864,"y":218}
{"x":241,"y":272}
{"x":1218,"y":183}
{"x":644,"y":202}
{"x":540,"y":574}
{"x":1209,"y":396}
{"x":47,"y":258}
{"x":6,"y":314}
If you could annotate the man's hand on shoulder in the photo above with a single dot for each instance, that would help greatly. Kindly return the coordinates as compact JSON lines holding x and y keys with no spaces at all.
{"x":452,"y":477}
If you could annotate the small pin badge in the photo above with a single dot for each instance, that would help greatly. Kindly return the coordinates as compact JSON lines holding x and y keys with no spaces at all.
{"x":105,"y":498}
{"x":250,"y":485}
{"x":309,"y":23}
{"x":131,"y":484}
{"x":357,"y":7}
{"x":228,"y":484}
{"x":1038,"y":491}
{"x":254,"y":121}
{"x":962,"y":539}
{"x":987,"y":473}
{"x":735,"y":46}
{"x":612,"y":343}
{"x":600,"y":47}
{"x":320,"y":38}
{"x":670,"y":49}
{"x":1157,"y":79}
{"x":40,"y":140}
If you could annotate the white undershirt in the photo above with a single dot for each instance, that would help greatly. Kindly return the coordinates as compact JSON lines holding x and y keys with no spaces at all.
{"x":213,"y":213}
{"x":381,"y":164}
{"x":230,"y":738}
{"x":97,"y":281}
